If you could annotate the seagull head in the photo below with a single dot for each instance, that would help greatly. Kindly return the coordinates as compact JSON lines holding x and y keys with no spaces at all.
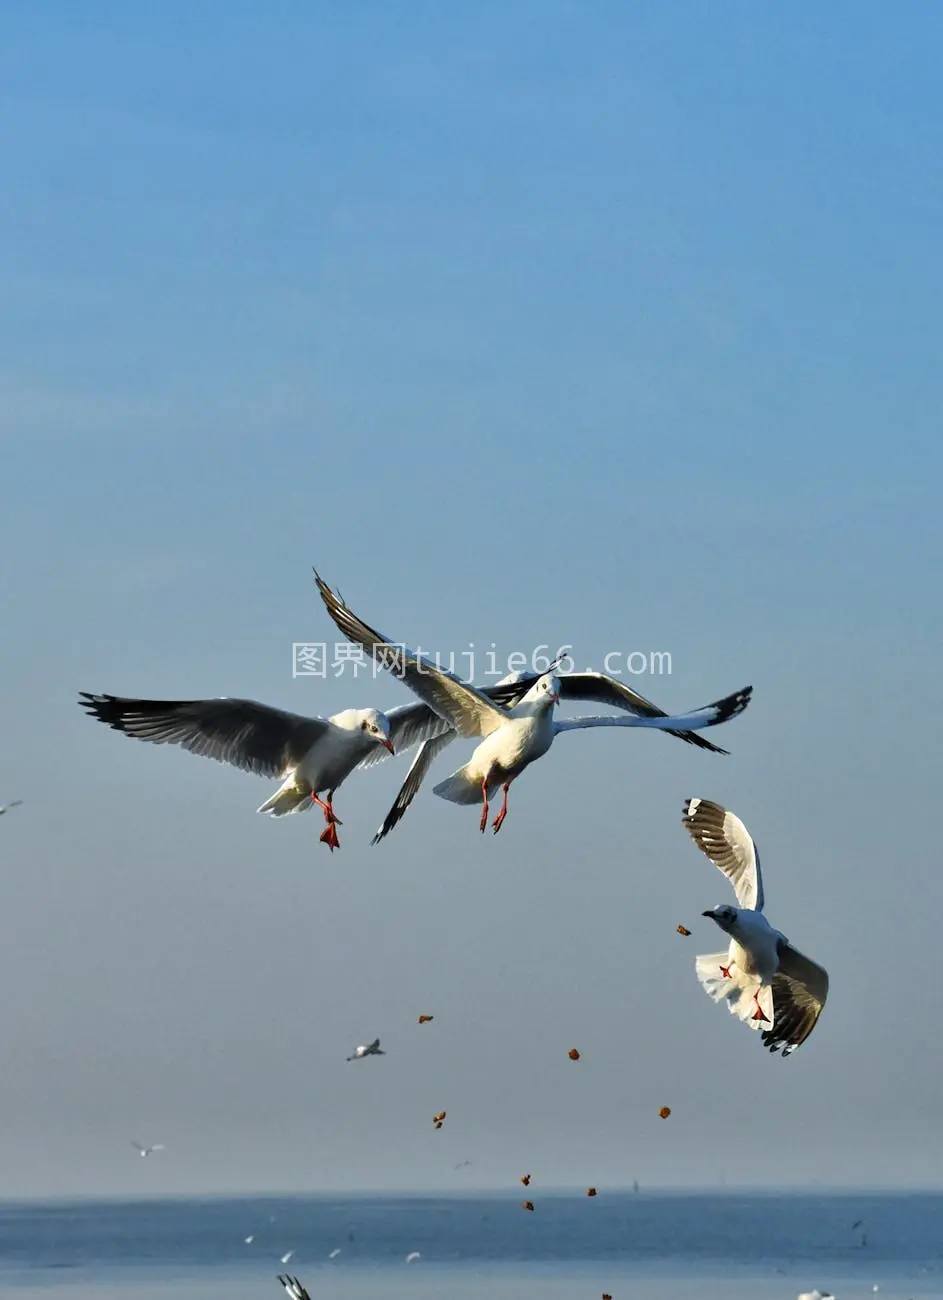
{"x":545,"y":690}
{"x":725,"y":916}
{"x":376,"y":725}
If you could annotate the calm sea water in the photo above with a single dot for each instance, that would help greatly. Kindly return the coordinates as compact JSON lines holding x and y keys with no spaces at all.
{"x":660,"y":1247}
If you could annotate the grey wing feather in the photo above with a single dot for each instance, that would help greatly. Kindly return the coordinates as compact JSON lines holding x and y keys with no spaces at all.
{"x":428,"y":752}
{"x":800,"y":989}
{"x":246,"y":734}
{"x":466,"y":709}
{"x":722,"y":836}
{"x":602,"y":689}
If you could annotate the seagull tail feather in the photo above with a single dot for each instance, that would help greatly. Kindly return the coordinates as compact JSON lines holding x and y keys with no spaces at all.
{"x":288,"y":798}
{"x":737,"y":991}
{"x":460,"y":787}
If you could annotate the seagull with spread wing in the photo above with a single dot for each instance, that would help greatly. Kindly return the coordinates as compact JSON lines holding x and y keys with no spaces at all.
{"x":762,"y":978}
{"x":371,"y":1049}
{"x":509,"y":691}
{"x":509,"y":741}
{"x":310,"y":755}
{"x":146,"y":1151}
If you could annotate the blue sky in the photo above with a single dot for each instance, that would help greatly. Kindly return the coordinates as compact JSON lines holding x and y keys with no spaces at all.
{"x":525,"y":323}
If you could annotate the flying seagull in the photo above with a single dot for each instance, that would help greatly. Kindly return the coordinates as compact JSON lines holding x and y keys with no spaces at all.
{"x":146,"y":1151}
{"x":310,"y":755}
{"x":372,"y":1049}
{"x":763,"y":979}
{"x":293,"y":1287}
{"x":597,"y":687}
{"x":510,"y":742}
{"x":14,"y":803}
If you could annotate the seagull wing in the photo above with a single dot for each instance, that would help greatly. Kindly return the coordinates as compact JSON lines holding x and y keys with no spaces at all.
{"x":602,"y":689}
{"x":254,"y":737}
{"x":428,"y":752}
{"x":374,"y":1045}
{"x":711,"y":715}
{"x":137,"y":1146}
{"x":727,"y":842}
{"x":800,"y":988}
{"x":293,"y":1287}
{"x":463,"y":707}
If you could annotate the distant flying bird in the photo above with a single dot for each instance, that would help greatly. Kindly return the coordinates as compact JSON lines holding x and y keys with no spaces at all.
{"x":14,"y":803}
{"x":765,"y":982}
{"x":309,"y":755}
{"x":461,"y":1164}
{"x":146,"y":1151}
{"x":372,"y":1049}
{"x":412,"y":1256}
{"x":249,"y":1239}
{"x":335,"y":1252}
{"x":287,"y":1256}
{"x":509,"y":742}
{"x":293,"y":1287}
{"x":816,"y":1295}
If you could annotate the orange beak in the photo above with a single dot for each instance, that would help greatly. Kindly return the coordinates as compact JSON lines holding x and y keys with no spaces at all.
{"x":387,"y":744}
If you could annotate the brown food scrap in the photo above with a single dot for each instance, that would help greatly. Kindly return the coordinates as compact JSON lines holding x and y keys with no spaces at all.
{"x":665,"y":1112}
{"x":436,"y":1119}
{"x":683,"y":929}
{"x":606,"y":1296}
{"x":527,"y":1205}
{"x":526,"y":1180}
{"x":573,"y":1054}
{"x":424,"y":1020}
{"x":591,"y":1191}
{"x":438,"y":1123}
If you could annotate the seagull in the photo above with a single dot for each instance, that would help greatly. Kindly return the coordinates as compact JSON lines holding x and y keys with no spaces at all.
{"x":293,"y":1287}
{"x":510,"y":742}
{"x":763,"y":979}
{"x":335,"y":1252}
{"x":816,"y":1295}
{"x":310,"y":755}
{"x":146,"y":1151}
{"x":287,"y":1256}
{"x":372,"y":1049}
{"x":509,"y":691}
{"x":413,"y":1254}
{"x":15,"y":803}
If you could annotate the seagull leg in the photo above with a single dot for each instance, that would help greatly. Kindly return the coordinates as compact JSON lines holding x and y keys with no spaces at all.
{"x":499,"y":820}
{"x":484,"y":811}
{"x":329,"y":814}
{"x":759,"y":1013}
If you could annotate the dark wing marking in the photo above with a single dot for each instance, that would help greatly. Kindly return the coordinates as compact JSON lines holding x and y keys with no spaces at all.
{"x":800,"y":988}
{"x":248,"y":735}
{"x":602,"y":689}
